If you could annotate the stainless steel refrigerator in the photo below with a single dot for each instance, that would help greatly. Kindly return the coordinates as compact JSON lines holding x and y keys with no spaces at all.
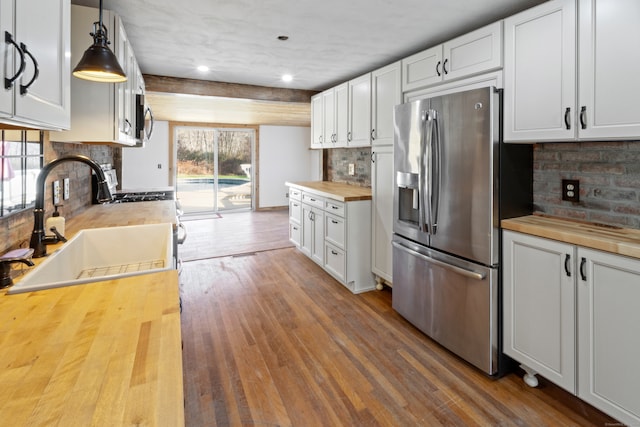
{"x":454,"y":181}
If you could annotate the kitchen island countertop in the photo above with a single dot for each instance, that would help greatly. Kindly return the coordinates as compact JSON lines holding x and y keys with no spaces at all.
{"x":104,"y":353}
{"x":334,"y":190}
{"x":617,"y":240}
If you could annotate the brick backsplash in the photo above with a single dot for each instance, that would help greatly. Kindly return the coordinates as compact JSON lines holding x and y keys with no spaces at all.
{"x":609,"y":175}
{"x":336,"y":165}
{"x":15,"y":229}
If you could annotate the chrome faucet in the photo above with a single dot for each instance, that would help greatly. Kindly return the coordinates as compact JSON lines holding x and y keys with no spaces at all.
{"x":38,"y":239}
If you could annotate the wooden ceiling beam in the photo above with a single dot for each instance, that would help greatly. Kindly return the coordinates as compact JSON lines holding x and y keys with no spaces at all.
{"x":164,"y":84}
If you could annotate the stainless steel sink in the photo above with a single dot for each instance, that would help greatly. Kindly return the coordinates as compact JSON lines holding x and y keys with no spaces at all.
{"x":99,"y":254}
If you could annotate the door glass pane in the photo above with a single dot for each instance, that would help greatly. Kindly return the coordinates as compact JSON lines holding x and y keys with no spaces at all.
{"x":234,"y":160}
{"x":214,"y":169}
{"x":195,"y":169}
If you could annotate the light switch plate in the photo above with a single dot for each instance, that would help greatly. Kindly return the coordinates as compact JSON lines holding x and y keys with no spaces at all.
{"x":56,"y":192}
{"x":352,"y":169}
{"x":65,"y":189}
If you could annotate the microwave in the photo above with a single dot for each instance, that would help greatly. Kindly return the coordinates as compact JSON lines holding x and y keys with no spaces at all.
{"x":144,"y":121}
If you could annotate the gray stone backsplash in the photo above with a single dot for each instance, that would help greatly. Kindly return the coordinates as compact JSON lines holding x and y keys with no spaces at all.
{"x":336,"y":165}
{"x":609,"y":175}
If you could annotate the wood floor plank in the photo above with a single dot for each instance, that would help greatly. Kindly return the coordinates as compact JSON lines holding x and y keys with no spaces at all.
{"x":271,"y":339}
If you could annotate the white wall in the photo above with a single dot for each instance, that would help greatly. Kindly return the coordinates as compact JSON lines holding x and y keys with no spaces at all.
{"x":284,"y":155}
{"x":147,"y":167}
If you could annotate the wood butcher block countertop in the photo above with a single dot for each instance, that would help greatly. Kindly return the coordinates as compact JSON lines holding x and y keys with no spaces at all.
{"x":335,"y":190}
{"x":106,"y":353}
{"x":618,"y":240}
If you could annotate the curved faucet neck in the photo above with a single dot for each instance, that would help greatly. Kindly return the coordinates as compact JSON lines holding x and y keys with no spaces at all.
{"x":38,"y":242}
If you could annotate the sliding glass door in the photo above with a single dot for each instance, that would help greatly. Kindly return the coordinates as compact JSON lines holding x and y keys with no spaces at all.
{"x":214,"y":168}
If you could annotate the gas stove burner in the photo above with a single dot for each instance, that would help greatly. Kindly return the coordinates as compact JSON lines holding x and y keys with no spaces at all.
{"x":144,"y":196}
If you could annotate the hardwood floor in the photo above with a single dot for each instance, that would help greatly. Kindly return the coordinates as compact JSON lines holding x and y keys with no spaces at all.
{"x":270,"y":339}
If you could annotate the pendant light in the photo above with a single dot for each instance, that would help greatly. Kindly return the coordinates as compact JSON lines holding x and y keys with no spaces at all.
{"x":98,"y":63}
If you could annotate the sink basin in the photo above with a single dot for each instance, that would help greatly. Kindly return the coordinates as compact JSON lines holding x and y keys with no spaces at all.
{"x":98,"y":254}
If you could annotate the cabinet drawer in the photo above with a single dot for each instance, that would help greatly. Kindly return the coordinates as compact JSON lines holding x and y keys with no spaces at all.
{"x":334,"y":207}
{"x":295,"y":231}
{"x":295,"y":210}
{"x":295,"y":194}
{"x":335,"y":261}
{"x":313,"y":200}
{"x":334,"y":230}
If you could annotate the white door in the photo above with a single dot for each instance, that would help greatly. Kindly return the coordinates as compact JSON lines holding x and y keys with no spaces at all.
{"x":43,"y":29}
{"x":329,"y":118}
{"x":609,"y":340}
{"x":7,"y":58}
{"x":540,"y":73}
{"x":473,"y":53}
{"x":382,"y":212}
{"x":609,"y":66}
{"x":360,"y":111}
{"x":386,"y":93}
{"x":341,"y":125}
{"x":422,"y":69}
{"x":317,"y":125}
{"x":539,"y":306}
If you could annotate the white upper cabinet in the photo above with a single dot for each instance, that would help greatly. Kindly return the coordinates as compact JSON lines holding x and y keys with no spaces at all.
{"x":317,"y":123}
{"x":341,"y":108}
{"x":476,"y":52}
{"x":35,"y":63}
{"x":359,"y":111}
{"x":609,"y":69}
{"x":386,"y":93}
{"x":329,"y":117}
{"x":540,"y":73}
{"x":542,"y":68}
{"x":101,"y":112}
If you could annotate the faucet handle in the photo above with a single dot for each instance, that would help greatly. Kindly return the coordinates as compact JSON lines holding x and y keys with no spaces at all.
{"x":17,"y":255}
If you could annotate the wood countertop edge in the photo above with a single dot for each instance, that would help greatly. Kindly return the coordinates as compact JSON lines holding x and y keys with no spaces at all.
{"x":334,"y":190}
{"x":617,"y":240}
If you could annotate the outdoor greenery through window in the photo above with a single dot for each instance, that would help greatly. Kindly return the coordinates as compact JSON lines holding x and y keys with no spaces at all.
{"x":21,"y":158}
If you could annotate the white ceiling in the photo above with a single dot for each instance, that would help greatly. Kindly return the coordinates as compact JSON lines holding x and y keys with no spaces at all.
{"x":330,"y":41}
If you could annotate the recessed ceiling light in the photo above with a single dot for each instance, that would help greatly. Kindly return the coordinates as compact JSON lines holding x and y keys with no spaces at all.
{"x":203,"y":68}
{"x":287,"y":78}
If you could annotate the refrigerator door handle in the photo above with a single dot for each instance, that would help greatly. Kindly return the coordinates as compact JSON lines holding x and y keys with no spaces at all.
{"x":462,"y":271}
{"x":422,"y":194}
{"x":436,"y":168}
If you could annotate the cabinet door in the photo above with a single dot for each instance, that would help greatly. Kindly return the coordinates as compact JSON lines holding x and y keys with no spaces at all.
{"x":422,"y":69}
{"x":382,"y":212}
{"x":540,"y":73}
{"x":609,"y":66}
{"x":123,"y":90}
{"x":7,"y":59}
{"x":317,"y":126}
{"x":317,"y":245}
{"x":341,"y":126}
{"x":42,"y":92}
{"x":306,"y":241}
{"x":608,"y":341}
{"x":476,"y":52}
{"x":386,"y":93}
{"x":360,"y":111}
{"x":328,"y":114}
{"x":539,"y":306}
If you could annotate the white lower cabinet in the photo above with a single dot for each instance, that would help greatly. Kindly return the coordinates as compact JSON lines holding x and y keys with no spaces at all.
{"x":609,"y":333}
{"x":313,"y":233}
{"x":334,"y":234}
{"x":571,"y":315}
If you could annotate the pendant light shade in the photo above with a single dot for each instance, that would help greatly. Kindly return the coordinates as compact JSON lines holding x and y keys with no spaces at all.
{"x":98,"y":63}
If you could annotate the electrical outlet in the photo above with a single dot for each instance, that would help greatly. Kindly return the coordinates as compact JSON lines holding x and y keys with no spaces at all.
{"x":65,"y":189}
{"x":571,"y":190}
{"x":352,"y":169}
{"x":56,"y":192}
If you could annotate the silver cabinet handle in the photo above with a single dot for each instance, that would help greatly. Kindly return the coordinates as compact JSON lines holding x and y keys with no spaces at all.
{"x":462,"y":271}
{"x":184,"y":237}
